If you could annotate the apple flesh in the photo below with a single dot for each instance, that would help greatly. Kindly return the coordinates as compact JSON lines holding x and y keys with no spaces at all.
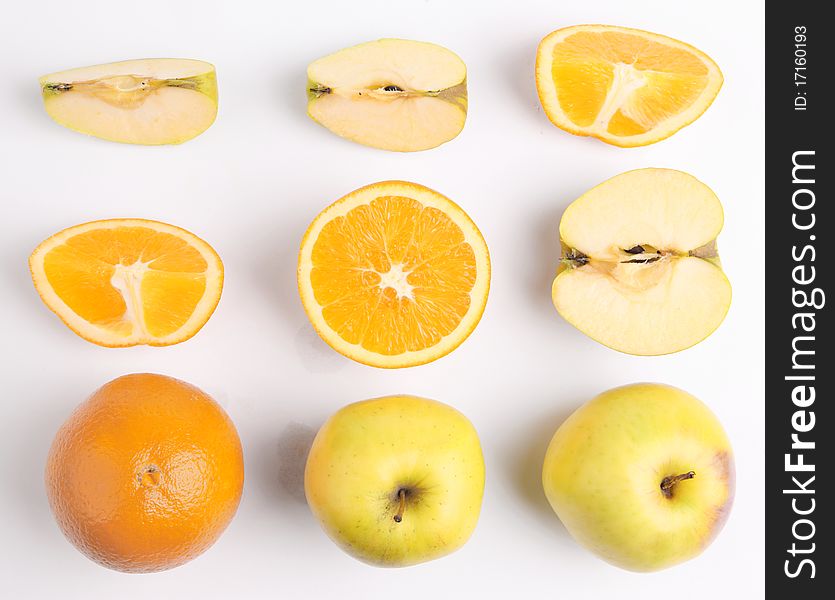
{"x":398,"y":95}
{"x":396,"y":481}
{"x":148,"y":101}
{"x":640,"y":271}
{"x":642,"y":475}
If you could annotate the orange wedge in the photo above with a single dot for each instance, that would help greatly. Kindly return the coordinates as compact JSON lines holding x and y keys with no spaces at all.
{"x":626,"y":87}
{"x":394,"y":275}
{"x":126,"y":282}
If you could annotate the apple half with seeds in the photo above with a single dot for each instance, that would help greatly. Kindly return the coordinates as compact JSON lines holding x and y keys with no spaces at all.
{"x":398,"y":95}
{"x":640,"y":271}
{"x":149,"y":101}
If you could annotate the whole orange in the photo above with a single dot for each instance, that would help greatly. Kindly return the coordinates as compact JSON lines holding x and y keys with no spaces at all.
{"x":145,"y":474}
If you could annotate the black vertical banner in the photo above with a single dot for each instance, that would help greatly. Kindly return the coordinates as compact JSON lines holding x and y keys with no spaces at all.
{"x":800,"y":354}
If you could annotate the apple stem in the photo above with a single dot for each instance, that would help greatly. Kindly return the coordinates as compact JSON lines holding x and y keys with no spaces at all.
{"x":668,"y":483}
{"x":401,"y":494}
{"x":58,"y":87}
{"x":575,"y":258}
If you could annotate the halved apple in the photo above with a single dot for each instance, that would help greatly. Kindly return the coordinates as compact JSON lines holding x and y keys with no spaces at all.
{"x":149,"y":101}
{"x":391,"y":94}
{"x":640,"y":272}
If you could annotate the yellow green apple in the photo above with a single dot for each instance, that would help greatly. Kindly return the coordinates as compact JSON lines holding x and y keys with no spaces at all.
{"x":642,"y":475}
{"x":146,"y":101}
{"x":399,"y":95}
{"x":640,"y":270}
{"x":397,"y":480}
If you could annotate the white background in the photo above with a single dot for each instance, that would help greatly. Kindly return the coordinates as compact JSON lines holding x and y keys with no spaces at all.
{"x":251,"y":184}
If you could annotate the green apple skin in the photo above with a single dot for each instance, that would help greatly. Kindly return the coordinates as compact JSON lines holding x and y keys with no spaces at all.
{"x":369,"y":451}
{"x":605,"y":467}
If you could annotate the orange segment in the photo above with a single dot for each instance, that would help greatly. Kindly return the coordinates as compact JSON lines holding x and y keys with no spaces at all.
{"x":624,"y":86}
{"x":394,"y":275}
{"x":169,"y":299}
{"x":84,"y":284}
{"x":125,"y":282}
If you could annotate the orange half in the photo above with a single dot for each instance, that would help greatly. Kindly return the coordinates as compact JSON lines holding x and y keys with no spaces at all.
{"x":126,"y":282}
{"x":624,"y":86}
{"x":394,"y":275}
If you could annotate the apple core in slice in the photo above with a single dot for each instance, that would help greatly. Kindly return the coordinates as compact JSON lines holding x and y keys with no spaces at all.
{"x":392,"y":94}
{"x":147,"y":101}
{"x":640,"y":271}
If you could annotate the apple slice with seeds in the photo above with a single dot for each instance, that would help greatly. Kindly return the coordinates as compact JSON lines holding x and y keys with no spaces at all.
{"x":640,"y":272}
{"x":148,"y":101}
{"x":398,"y":95}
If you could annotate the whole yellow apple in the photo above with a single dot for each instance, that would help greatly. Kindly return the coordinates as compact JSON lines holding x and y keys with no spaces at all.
{"x":396,"y":481}
{"x":642,"y":475}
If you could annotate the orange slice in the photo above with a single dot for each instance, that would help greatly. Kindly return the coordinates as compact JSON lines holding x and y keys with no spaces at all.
{"x":125,"y":282}
{"x":624,"y":86}
{"x":394,"y":275}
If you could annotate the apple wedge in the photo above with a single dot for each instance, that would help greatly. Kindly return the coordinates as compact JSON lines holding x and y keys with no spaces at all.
{"x":398,"y":95}
{"x":640,"y":271}
{"x":148,"y":101}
